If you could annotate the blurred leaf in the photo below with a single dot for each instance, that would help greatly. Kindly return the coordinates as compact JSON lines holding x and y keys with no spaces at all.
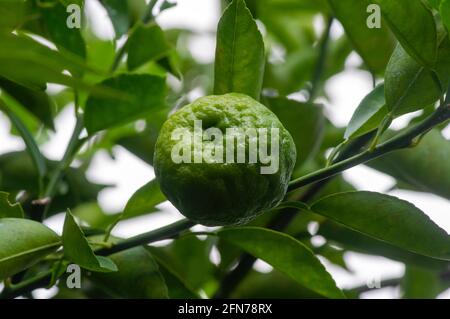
{"x":369,"y":114}
{"x":420,"y":283}
{"x":32,"y":147}
{"x":356,"y":241}
{"x":93,"y":214}
{"x":138,"y":276}
{"x":77,"y":249}
{"x":8,"y":210}
{"x":409,"y":86}
{"x":31,"y":64}
{"x":176,"y":286}
{"x":419,"y":39}
{"x":295,"y":259}
{"x":353,"y":15}
{"x":68,"y":41}
{"x":273,"y":285}
{"x":23,"y":243}
{"x":14,"y":13}
{"x":189,"y":258}
{"x":305,"y":122}
{"x":240,"y":59}
{"x":119,"y":15}
{"x":146,"y":95}
{"x":433,"y":3}
{"x":389,"y":219}
{"x":36,"y":101}
{"x":144,"y":200}
{"x":424,"y":168}
{"x":147,"y":42}
{"x":332,"y":254}
{"x":445,"y":13}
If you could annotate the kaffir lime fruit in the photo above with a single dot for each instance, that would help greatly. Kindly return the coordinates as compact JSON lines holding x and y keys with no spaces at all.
{"x":206,"y":176}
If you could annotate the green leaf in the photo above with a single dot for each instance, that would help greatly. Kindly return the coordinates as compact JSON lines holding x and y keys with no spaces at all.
{"x":273,"y":285}
{"x":176,"y":285}
{"x":445,"y":13}
{"x":409,"y":86}
{"x":77,"y":249}
{"x":138,"y":276}
{"x":31,"y":64}
{"x":420,"y":283}
{"x":305,"y":122}
{"x":294,"y":259}
{"x":146,"y":94}
{"x":144,"y":200}
{"x":147,"y":42}
{"x":356,"y":241}
{"x":424,"y":168}
{"x":30,"y":142}
{"x":36,"y":101}
{"x":23,"y":243}
{"x":240,"y":59}
{"x":9,"y":210}
{"x":388,"y":219}
{"x":353,"y":15}
{"x":68,"y":41}
{"x":119,"y":15}
{"x":18,"y":173}
{"x":14,"y":13}
{"x":369,"y":114}
{"x":188,"y":257}
{"x":419,"y":39}
{"x":434,"y":3}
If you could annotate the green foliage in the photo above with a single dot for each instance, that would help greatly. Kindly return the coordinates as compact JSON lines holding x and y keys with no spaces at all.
{"x":8,"y":210}
{"x":77,"y":249}
{"x":144,"y":95}
{"x":240,"y":58}
{"x":353,"y":16}
{"x":388,"y":219}
{"x":295,"y":260}
{"x":282,"y":52}
{"x":24,"y":243}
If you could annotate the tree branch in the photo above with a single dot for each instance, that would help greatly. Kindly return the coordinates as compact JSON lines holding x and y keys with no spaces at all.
{"x":401,"y":141}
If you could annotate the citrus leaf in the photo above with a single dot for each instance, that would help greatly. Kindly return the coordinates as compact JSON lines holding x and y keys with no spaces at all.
{"x":145,"y":95}
{"x":77,"y":249}
{"x":419,"y":39}
{"x":36,"y":101}
{"x":409,"y":86}
{"x":138,"y":276}
{"x":353,"y":15}
{"x":68,"y":40}
{"x":305,"y":122}
{"x":421,"y":283}
{"x":23,"y":243}
{"x":144,"y":200}
{"x":424,"y":168}
{"x":240,"y":59}
{"x":147,"y":42}
{"x":30,"y":142}
{"x":356,"y":241}
{"x":369,"y":114}
{"x":119,"y":15}
{"x":293,"y":259}
{"x":9,"y":210}
{"x":387,"y":218}
{"x":445,"y":13}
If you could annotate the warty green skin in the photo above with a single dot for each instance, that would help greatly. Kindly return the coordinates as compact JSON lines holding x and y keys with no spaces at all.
{"x":222,"y":194}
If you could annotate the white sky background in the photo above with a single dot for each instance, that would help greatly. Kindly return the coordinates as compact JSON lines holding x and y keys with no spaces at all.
{"x":129,"y":173}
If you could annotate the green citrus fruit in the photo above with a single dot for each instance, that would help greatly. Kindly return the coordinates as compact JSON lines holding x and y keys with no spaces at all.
{"x":211,"y":189}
